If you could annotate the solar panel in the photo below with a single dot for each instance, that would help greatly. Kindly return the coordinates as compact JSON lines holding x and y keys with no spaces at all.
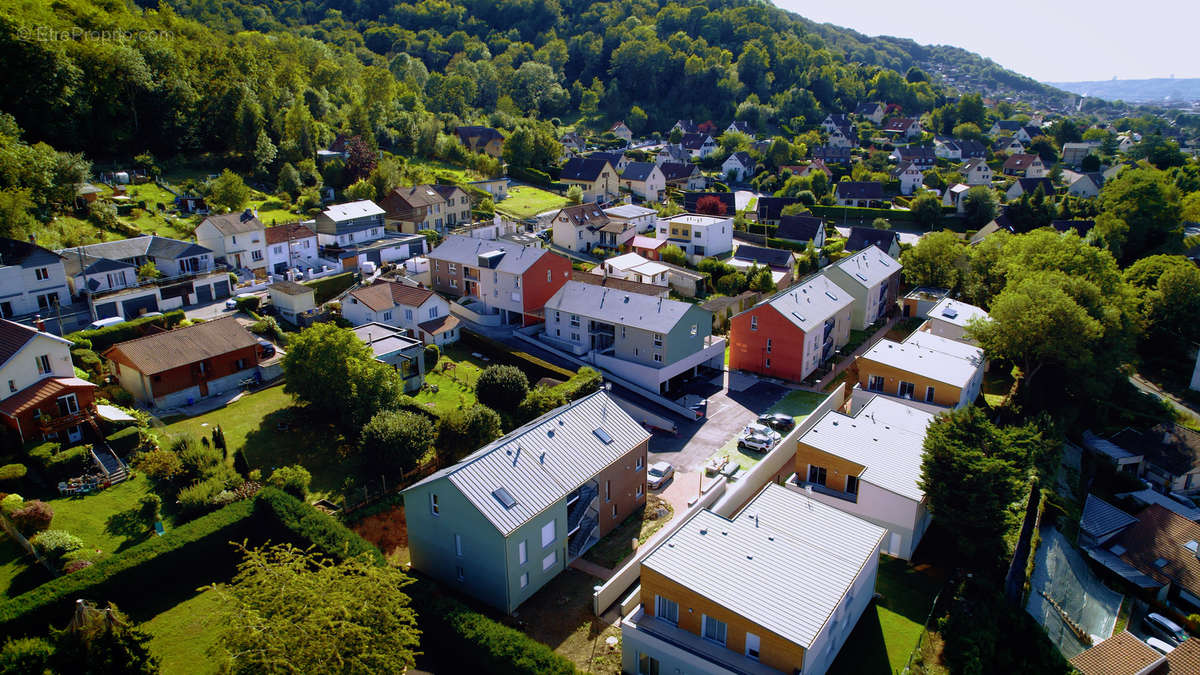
{"x":602,"y":435}
{"x":506,"y":500}
{"x":950,"y":312}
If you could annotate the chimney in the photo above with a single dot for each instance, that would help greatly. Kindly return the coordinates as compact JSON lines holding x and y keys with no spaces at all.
{"x":41,"y":325}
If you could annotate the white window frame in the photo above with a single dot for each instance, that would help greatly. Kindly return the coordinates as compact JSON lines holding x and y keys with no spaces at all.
{"x":522,"y":552}
{"x":705,"y":619}
{"x":524,"y":579}
{"x":753,"y":646}
{"x":549,"y":533}
{"x":434,"y":508}
{"x":753,"y":322}
{"x":550,"y":560}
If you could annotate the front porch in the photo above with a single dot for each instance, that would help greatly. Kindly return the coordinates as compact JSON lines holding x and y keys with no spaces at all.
{"x":50,"y":407}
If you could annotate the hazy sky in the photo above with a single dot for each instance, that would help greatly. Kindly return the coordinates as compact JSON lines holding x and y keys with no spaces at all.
{"x":1049,"y":40}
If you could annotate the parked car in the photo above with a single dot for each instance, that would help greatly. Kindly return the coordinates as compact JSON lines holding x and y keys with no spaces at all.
{"x":777,"y":421}
{"x":231,"y":303}
{"x":265,"y":349}
{"x":658,"y":474}
{"x":1165,"y":628}
{"x":758,"y":437}
{"x":104,"y":323}
{"x":1160,"y":646}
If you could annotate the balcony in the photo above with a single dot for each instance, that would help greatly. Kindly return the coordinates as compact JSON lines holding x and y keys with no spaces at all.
{"x":640,"y":629}
{"x":48,"y":423}
{"x":796,"y":484}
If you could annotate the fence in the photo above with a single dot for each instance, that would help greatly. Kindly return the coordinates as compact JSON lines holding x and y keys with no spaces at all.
{"x":387,"y":490}
{"x":621,"y":580}
{"x":1014,"y":580}
{"x":933,"y":610}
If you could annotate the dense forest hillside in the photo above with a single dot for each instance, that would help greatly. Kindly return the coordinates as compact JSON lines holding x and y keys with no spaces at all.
{"x":214,"y":75}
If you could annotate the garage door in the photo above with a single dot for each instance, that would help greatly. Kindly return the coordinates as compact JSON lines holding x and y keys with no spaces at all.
{"x":204,"y":294}
{"x":106,"y":310}
{"x":221,"y":289}
{"x":133,"y":308}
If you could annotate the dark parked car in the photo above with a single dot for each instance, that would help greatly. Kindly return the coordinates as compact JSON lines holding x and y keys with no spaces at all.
{"x":265,"y":349}
{"x":777,"y":421}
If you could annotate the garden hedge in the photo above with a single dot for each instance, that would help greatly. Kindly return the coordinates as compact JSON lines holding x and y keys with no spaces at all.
{"x":101,"y":339}
{"x":477,"y":643}
{"x":839,"y":213}
{"x":124,"y":440}
{"x":327,"y":288}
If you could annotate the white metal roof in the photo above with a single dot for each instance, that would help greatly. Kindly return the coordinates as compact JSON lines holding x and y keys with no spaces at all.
{"x":886,"y":436}
{"x":629,"y":211}
{"x":517,"y":259}
{"x":809,"y":303}
{"x":545,"y":460}
{"x":945,"y":345}
{"x":647,"y":312}
{"x":915,"y":358}
{"x":351,"y":210}
{"x":784,"y":562}
{"x":697,"y":220}
{"x":869,"y":266}
{"x":956,"y":312}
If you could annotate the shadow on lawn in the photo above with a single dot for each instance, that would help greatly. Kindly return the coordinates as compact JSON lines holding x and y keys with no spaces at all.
{"x":294,"y":436}
{"x":128,"y":524}
{"x":865,"y":650}
{"x":30,"y":577}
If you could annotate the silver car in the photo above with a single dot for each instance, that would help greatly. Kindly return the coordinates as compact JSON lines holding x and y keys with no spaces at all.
{"x":658,"y":474}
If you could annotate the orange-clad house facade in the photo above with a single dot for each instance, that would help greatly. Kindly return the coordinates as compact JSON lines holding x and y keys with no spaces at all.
{"x":790,"y":334}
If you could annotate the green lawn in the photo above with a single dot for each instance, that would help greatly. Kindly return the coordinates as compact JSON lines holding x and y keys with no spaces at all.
{"x":254,"y":422}
{"x":107,"y":520}
{"x":19,"y":572}
{"x":454,"y":377}
{"x":440,"y":168}
{"x":526,"y":202}
{"x":888,"y":631}
{"x":996,"y":385}
{"x":182,"y":635}
{"x":617,"y":545}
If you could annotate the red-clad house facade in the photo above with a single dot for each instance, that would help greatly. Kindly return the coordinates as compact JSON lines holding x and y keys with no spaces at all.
{"x":790,"y":334}
{"x":40,"y":397}
{"x":540,"y":282}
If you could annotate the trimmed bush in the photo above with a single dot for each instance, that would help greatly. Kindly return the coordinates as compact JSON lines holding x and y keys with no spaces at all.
{"x":11,"y":504}
{"x":502,"y":387}
{"x":12,"y":473}
{"x":101,"y":339}
{"x":86,"y":359}
{"x":248,"y":304}
{"x":60,"y":464}
{"x":33,"y":517}
{"x":327,"y":288}
{"x":582,"y":383}
{"x":293,"y":480}
{"x":54,"y":544}
{"x":312,"y":526}
{"x":201,"y":497}
{"x":125,"y":440}
{"x":159,"y":465}
{"x":481,"y":644}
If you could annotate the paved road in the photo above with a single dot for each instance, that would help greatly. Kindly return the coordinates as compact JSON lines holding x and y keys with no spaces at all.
{"x":1150,"y":388}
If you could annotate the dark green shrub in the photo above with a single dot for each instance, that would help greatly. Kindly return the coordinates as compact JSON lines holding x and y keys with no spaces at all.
{"x":293,"y":480}
{"x":61,"y":464}
{"x":432,"y":355}
{"x":327,"y":288}
{"x":11,"y":474}
{"x":86,"y":359}
{"x":103,"y":338}
{"x":502,"y":387}
{"x":125,"y":440}
{"x":54,"y":544}
{"x":160,"y":466}
{"x":312,"y":526}
{"x":26,"y":655}
{"x":248,"y":304}
{"x":201,"y":497}
{"x":582,"y":383}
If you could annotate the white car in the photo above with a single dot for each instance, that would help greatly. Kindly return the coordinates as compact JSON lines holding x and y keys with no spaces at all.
{"x":1160,"y":646}
{"x":758,"y":437}
{"x":658,"y":474}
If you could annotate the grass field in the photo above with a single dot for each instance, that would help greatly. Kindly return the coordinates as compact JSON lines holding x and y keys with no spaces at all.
{"x":440,"y":168}
{"x":526,"y":202}
{"x":455,"y":383}
{"x":19,"y":572}
{"x":888,"y":631}
{"x":106,"y":521}
{"x":182,"y":635}
{"x":254,"y":422}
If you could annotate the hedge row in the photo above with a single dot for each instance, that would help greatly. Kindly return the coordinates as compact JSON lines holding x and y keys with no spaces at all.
{"x":100,"y":339}
{"x":195,"y":548}
{"x":327,"y":288}
{"x":60,"y":464}
{"x":861,"y":213}
{"x":313,"y":526}
{"x":529,"y":175}
{"x":476,"y":643}
{"x":124,"y":440}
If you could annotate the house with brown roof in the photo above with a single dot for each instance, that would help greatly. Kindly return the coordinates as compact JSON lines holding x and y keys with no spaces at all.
{"x":423,"y":313}
{"x":237,"y":238}
{"x":426,"y":207}
{"x":1027,"y":166}
{"x":481,"y":139}
{"x":1170,"y":456}
{"x":579,"y":227}
{"x":1121,"y":654}
{"x":1165,"y":547}
{"x":182,"y":366}
{"x":907,"y":127}
{"x":290,"y":245}
{"x":40,"y":396}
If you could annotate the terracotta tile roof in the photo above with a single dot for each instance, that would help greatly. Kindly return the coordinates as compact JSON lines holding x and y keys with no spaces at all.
{"x":439,"y":325}
{"x":282,"y":233}
{"x":1183,"y":660}
{"x":182,"y":346}
{"x":13,"y":336}
{"x":1157,"y":545}
{"x":1121,"y":654}
{"x":39,"y":391}
{"x":383,"y":295}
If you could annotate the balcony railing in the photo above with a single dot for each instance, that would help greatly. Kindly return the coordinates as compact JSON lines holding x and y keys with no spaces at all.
{"x":164,"y":281}
{"x":827,"y":491}
{"x":57,"y":422}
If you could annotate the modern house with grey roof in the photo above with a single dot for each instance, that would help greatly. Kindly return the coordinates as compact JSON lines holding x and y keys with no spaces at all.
{"x":1101,"y":521}
{"x":392,"y":347}
{"x":869,"y":464}
{"x":925,"y":368}
{"x":790,"y":334}
{"x":950,"y":319}
{"x":861,"y":237}
{"x":32,"y":279}
{"x":645,"y":339}
{"x":351,"y":223}
{"x":506,"y":519}
{"x":802,"y":229}
{"x":873,"y":278}
{"x":106,"y":275}
{"x":809,"y":574}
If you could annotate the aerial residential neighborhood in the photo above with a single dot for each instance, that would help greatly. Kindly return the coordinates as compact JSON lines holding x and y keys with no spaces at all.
{"x":673,"y":337}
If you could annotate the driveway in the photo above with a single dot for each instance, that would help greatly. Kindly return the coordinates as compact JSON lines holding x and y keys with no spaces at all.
{"x":727,"y":412}
{"x":213,"y":310}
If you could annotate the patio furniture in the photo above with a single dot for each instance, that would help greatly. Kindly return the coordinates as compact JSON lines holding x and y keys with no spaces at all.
{"x":158,"y":528}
